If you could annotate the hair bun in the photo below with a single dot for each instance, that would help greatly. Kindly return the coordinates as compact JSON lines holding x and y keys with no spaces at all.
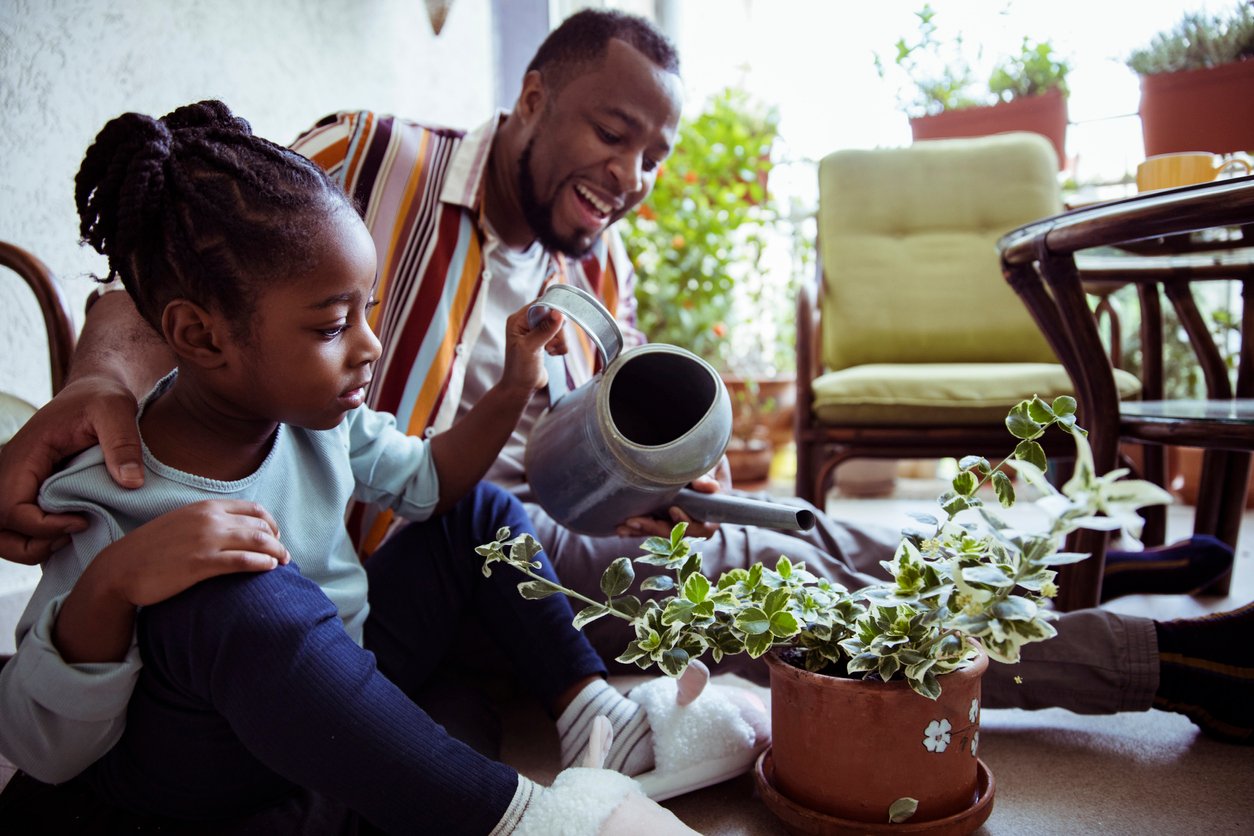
{"x":210,"y":113}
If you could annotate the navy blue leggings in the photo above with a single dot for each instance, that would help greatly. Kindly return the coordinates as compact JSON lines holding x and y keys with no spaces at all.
{"x":251,"y":690}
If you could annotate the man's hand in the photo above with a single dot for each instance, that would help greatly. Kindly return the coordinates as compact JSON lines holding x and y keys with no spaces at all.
{"x":716,"y":481}
{"x":87,"y":411}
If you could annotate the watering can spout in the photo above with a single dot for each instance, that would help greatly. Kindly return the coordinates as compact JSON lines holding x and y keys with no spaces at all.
{"x":628,"y":441}
{"x":738,"y":510}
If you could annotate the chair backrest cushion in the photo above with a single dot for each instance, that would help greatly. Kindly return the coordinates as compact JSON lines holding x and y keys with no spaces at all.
{"x":907,"y":238}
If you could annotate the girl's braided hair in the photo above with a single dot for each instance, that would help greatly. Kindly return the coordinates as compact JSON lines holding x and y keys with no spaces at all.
{"x":194,"y":206}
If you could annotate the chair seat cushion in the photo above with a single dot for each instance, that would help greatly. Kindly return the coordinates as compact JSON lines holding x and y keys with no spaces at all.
{"x":941,"y":394}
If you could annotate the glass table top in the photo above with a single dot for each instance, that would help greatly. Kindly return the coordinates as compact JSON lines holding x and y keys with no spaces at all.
{"x":1238,"y":411}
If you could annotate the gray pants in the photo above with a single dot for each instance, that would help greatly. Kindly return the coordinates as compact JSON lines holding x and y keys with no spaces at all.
{"x":1099,"y":663}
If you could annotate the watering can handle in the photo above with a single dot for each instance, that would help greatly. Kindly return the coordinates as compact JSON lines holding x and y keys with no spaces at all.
{"x":587,"y":312}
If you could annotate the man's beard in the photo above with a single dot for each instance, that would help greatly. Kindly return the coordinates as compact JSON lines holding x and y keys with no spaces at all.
{"x":539,"y":216}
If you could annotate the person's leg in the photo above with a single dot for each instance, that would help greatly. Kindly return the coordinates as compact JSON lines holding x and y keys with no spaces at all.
{"x":1186,"y":567}
{"x":551,"y":657}
{"x":834,"y":547}
{"x":251,"y":687}
{"x":1206,"y":672}
{"x":534,"y":637}
{"x":1103,"y":662}
{"x":1099,"y":663}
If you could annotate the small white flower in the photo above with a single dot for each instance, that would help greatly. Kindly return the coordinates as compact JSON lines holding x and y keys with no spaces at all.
{"x":975,"y":710}
{"x":975,"y":743}
{"x":936,"y":736}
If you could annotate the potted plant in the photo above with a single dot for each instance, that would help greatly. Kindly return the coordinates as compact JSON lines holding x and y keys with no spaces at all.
{"x":698,"y":245}
{"x":1027,"y":91}
{"x":1196,"y":80}
{"x":906,"y":655}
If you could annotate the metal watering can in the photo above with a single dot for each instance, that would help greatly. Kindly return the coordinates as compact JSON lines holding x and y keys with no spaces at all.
{"x":626,"y":442}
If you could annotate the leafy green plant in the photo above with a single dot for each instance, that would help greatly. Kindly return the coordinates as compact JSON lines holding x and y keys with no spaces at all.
{"x":704,"y":227}
{"x":1034,"y":70}
{"x":964,"y":574}
{"x":939,"y":70}
{"x":942,"y":78}
{"x":1199,"y":40}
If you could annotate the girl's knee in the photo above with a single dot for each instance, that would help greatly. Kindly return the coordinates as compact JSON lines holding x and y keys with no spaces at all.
{"x":239,"y":602}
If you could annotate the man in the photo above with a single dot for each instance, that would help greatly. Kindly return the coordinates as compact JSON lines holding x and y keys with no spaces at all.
{"x":471,"y":226}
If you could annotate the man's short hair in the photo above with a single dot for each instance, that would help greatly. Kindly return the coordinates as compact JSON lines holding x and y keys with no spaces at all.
{"x":583,"y":37}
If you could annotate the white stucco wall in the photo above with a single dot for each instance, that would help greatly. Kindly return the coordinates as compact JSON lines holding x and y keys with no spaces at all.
{"x":68,"y":66}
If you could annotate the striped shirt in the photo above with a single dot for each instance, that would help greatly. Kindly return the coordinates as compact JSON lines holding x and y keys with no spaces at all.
{"x":420,"y":190}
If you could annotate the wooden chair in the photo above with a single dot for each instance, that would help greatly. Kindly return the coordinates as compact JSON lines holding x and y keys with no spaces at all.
{"x":910,"y":344}
{"x":58,"y":326}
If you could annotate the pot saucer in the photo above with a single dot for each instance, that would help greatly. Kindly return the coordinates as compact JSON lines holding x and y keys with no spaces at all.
{"x":803,"y":820}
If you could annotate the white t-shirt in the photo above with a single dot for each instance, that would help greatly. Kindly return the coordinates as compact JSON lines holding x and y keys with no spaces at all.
{"x":513,"y":279}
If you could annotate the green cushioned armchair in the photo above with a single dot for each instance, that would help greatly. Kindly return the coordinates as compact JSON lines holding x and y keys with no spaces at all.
{"x":913,"y":345}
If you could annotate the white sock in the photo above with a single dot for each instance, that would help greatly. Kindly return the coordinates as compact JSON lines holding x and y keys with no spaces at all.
{"x":632,"y":750}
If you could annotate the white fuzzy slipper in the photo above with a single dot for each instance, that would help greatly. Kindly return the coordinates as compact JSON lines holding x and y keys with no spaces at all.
{"x":702,"y":735}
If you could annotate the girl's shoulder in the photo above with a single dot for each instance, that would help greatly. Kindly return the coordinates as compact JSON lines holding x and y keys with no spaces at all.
{"x":84,"y":480}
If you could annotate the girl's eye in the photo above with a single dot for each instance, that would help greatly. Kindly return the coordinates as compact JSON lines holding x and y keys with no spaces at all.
{"x":332,"y":333}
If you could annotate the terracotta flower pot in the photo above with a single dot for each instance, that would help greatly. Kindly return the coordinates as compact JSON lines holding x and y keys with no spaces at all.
{"x":771,"y":405}
{"x":844,"y":750}
{"x":1199,"y":110}
{"x":1045,"y":114}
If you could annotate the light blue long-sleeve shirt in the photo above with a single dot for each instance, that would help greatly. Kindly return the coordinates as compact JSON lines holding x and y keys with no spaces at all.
{"x":57,"y":718}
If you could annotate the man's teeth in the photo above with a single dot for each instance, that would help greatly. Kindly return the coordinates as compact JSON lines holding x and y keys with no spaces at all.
{"x":601,"y":206}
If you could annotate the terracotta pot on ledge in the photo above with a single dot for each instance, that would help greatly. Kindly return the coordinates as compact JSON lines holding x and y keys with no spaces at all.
{"x":1045,"y":114}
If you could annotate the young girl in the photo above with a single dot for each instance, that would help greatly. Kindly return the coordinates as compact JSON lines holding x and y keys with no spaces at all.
{"x":196,"y":654}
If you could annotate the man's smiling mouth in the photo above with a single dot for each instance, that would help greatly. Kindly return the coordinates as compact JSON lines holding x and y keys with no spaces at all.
{"x":600,"y":205}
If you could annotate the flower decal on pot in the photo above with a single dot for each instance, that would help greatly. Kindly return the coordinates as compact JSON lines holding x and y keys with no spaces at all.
{"x":936,"y":736}
{"x":975,"y":743}
{"x":975,"y":710}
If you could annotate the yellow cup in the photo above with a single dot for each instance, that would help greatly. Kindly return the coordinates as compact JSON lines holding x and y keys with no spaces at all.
{"x":1166,"y":171}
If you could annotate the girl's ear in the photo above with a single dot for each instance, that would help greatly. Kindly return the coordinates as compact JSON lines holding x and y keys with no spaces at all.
{"x":194,"y":334}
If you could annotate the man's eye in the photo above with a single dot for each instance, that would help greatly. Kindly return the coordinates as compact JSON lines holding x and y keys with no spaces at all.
{"x":607,"y":137}
{"x":650,"y":164}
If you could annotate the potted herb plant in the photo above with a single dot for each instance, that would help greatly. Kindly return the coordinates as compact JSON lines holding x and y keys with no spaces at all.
{"x":1196,"y":81}
{"x":698,"y":245}
{"x":904,"y":656}
{"x":1027,"y":91}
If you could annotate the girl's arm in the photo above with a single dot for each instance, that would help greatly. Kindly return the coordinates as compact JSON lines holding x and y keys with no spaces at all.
{"x":157,"y":561}
{"x":464,"y":452}
{"x":63,"y":695}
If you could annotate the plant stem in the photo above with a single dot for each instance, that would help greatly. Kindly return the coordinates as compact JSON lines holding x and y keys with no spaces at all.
{"x":570,"y":593}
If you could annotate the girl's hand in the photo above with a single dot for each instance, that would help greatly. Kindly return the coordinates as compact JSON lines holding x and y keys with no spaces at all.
{"x":157,"y":561}
{"x":525,"y":348}
{"x":180,"y":548}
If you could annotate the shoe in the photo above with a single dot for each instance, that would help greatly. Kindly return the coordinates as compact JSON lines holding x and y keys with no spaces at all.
{"x":702,"y":734}
{"x":1184,"y":568}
